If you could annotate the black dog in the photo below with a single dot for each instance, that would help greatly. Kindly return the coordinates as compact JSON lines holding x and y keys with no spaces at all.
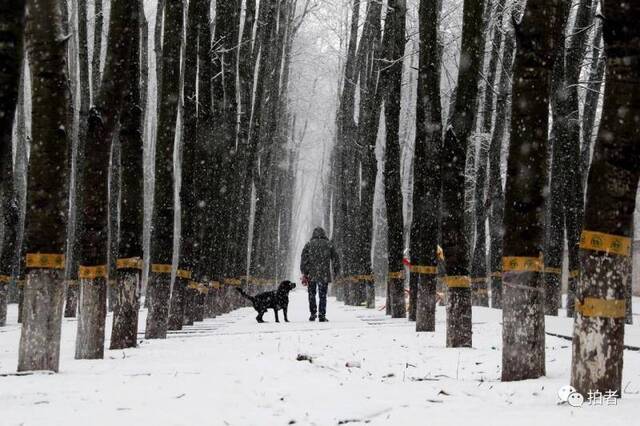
{"x":275,"y":300}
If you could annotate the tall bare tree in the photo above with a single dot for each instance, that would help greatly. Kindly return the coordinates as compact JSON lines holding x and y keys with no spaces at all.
{"x":11,"y":32}
{"x":129,"y":254}
{"x":605,"y":245}
{"x":101,"y":129}
{"x":522,"y":312}
{"x":427,"y":184}
{"x":393,"y":44}
{"x":453,"y":159}
{"x":159,"y":288}
{"x":45,"y":228}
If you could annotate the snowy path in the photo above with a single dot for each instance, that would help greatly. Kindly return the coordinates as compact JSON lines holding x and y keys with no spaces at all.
{"x":230,"y":370}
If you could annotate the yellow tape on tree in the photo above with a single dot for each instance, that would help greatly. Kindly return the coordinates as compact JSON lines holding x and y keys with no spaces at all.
{"x":184,"y":274}
{"x":603,"y":308}
{"x":161,"y":268}
{"x":215,"y":284}
{"x":396,"y":275}
{"x":479,"y":280}
{"x":45,"y":261}
{"x":574,"y":274}
{"x":92,"y":272}
{"x":232,"y":281}
{"x":424,"y":270}
{"x":599,"y":241}
{"x":5,"y":278}
{"x":130,"y":263}
{"x":550,"y":270}
{"x":521,"y":264}
{"x":457,"y":281}
{"x":496,"y":275}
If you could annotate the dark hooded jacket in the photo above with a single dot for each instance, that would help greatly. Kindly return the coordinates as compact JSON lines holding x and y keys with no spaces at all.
{"x":318,"y":257}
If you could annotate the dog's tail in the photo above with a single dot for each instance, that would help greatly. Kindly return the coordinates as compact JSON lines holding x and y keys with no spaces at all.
{"x":244,"y":294}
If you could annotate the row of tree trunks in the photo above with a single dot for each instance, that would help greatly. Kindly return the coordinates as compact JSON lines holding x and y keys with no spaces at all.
{"x":45,"y":227}
{"x":454,"y":240}
{"x":606,"y":242}
{"x":159,"y":288}
{"x":427,"y":183}
{"x":523,"y":317}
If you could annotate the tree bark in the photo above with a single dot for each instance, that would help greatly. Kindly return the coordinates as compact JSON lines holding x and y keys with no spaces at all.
{"x":11,"y":33}
{"x":45,"y":230}
{"x":163,"y":214}
{"x":129,"y":254}
{"x":393,"y":45}
{"x":523,"y":353}
{"x":101,"y":128}
{"x":605,"y":246}
{"x":566,"y":181}
{"x":78,"y":156}
{"x":454,"y":240}
{"x":96,"y":59}
{"x":187,"y":194}
{"x":426,"y":169}
{"x":498,"y":136}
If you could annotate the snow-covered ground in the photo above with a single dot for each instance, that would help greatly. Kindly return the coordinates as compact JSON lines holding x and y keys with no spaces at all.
{"x":233,"y":371}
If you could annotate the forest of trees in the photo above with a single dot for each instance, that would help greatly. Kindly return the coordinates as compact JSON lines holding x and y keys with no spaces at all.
{"x":520,"y":166}
{"x":83,"y":231}
{"x":158,"y":157}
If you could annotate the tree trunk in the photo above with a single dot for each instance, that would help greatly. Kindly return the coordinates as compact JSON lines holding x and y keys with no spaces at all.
{"x":45,"y":229}
{"x":204,"y":156}
{"x":11,"y":51}
{"x":163,"y":215}
{"x":78,"y":156}
{"x":605,"y":246}
{"x":566,"y":181}
{"x":427,"y":184}
{"x":496,"y":193}
{"x":453,"y":160}
{"x":393,"y":45}
{"x":187,"y":193}
{"x":523,"y":353}
{"x":11,"y":34}
{"x":94,"y":182}
{"x":129,"y":254}
{"x":96,"y":59}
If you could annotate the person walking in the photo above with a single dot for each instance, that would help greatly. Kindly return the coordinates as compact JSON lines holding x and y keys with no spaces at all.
{"x":319,"y":257}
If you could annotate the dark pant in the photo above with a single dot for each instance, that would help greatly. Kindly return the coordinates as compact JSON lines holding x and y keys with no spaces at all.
{"x":322,"y":294}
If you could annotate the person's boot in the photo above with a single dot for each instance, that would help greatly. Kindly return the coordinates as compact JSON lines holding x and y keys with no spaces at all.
{"x":312,"y":317}
{"x":323,"y":319}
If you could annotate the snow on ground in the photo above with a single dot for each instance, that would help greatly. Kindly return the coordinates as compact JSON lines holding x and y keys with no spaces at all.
{"x":233,"y":371}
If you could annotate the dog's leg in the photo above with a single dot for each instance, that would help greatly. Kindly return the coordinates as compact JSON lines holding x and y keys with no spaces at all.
{"x":284,"y":312}
{"x":275,"y":312}
{"x":259,"y":317}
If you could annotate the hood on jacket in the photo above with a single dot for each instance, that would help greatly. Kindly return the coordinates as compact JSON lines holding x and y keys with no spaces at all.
{"x":318,"y":234}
